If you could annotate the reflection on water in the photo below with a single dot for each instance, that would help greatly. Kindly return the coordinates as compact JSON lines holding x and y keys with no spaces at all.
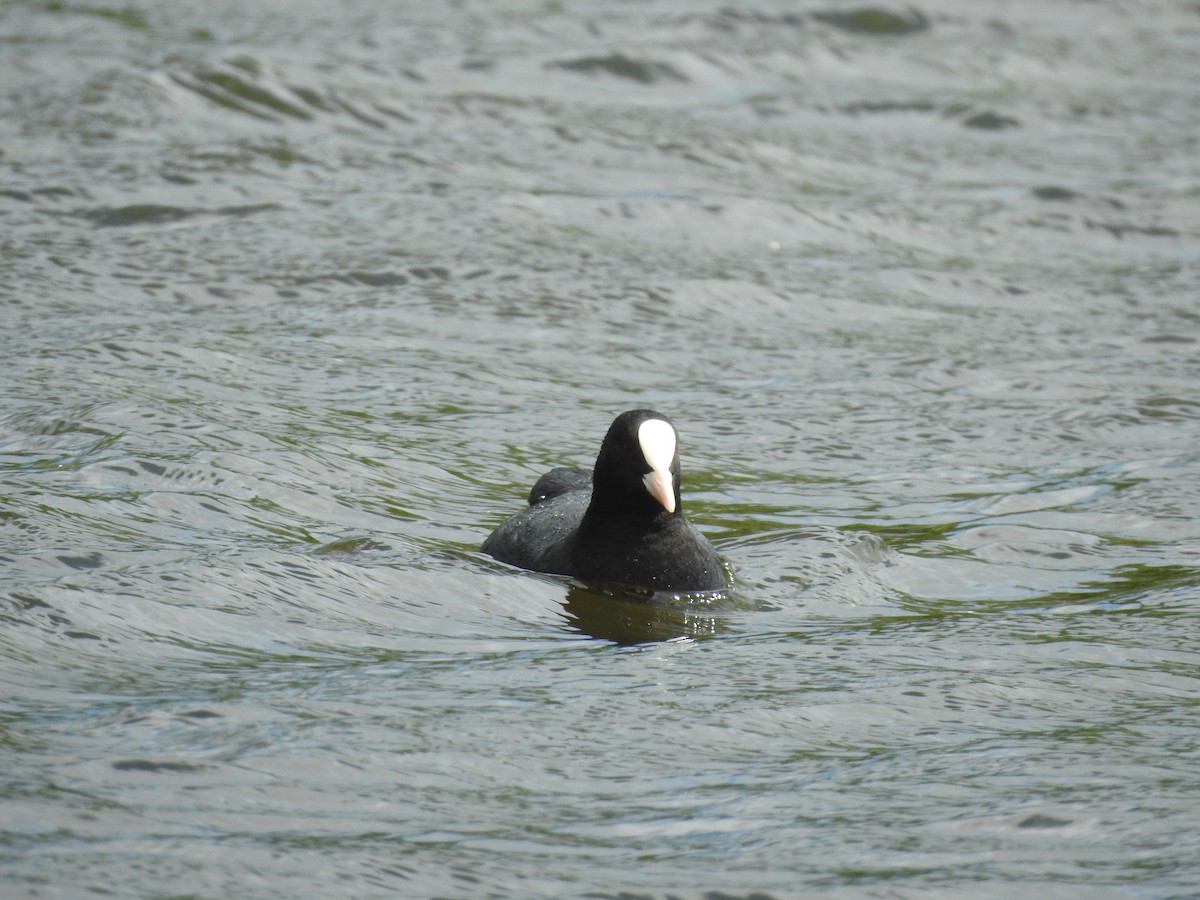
{"x":620,"y":616}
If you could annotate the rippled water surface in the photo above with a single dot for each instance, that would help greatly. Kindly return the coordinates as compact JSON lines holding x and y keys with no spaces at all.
{"x":297,"y":299}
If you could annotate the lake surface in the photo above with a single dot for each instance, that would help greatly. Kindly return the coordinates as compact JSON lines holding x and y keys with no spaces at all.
{"x":297,"y":300}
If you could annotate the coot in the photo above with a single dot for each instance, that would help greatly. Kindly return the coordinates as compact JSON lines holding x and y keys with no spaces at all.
{"x":623,"y":523}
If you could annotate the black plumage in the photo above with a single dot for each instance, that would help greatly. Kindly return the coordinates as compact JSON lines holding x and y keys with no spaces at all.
{"x":624,"y":523}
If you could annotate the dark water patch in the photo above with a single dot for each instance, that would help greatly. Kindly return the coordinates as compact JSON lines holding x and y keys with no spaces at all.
{"x":55,"y":193}
{"x":240,"y":91}
{"x":83,"y":635}
{"x":1137,"y":582}
{"x":242,"y":155}
{"x":351,"y":546}
{"x":392,"y":279}
{"x":313,"y":98}
{"x":355,"y":111}
{"x":874,"y":107}
{"x":1169,"y":408}
{"x":85,"y":561}
{"x":874,"y":20}
{"x":138,"y":214}
{"x":57,"y":423}
{"x":990,"y":121}
{"x":27,"y":602}
{"x":910,"y":536}
{"x":426,"y":273}
{"x":128,"y":16}
{"x":730,"y":14}
{"x":142,"y":214}
{"x":282,"y":152}
{"x":379,"y":279}
{"x":1123,"y":229}
{"x":1039,"y":820}
{"x":619,"y":65}
{"x":1135,"y":589}
{"x":1054,"y":193}
{"x":156,"y":767}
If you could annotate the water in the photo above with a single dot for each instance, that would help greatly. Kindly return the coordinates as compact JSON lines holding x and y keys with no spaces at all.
{"x":298,"y":300}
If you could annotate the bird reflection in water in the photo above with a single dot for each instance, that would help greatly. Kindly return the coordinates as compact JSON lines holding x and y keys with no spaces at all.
{"x":627,"y":616}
